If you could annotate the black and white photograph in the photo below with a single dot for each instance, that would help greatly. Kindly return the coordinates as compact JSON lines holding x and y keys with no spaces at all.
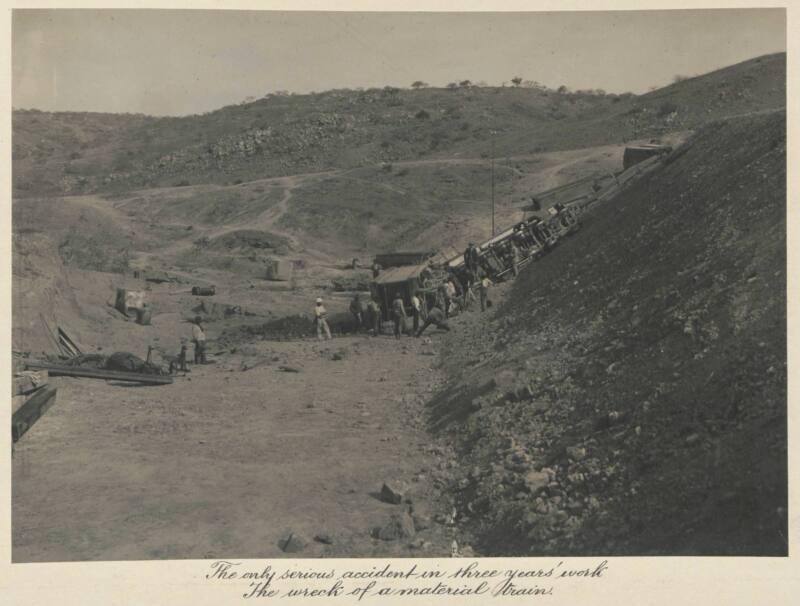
{"x":340,"y":284}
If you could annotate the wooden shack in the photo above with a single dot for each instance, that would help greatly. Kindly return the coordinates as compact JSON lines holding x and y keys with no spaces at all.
{"x":406,"y":280}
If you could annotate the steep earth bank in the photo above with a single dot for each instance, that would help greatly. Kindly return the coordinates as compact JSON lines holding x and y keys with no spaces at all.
{"x":629,"y":396}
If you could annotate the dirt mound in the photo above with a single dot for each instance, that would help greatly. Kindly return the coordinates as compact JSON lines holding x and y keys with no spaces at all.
{"x":89,"y":233}
{"x":41,"y":294}
{"x":630,"y":396}
{"x":287,"y":328}
{"x":248,"y":239}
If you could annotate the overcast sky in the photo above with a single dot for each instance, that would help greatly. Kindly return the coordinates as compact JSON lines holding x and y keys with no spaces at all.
{"x":181,"y":62}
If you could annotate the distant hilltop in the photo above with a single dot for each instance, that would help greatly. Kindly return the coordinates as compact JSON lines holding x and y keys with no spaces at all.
{"x":74,"y":153}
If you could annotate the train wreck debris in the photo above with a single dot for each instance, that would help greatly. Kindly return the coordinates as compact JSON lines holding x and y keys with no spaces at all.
{"x":58,"y":370}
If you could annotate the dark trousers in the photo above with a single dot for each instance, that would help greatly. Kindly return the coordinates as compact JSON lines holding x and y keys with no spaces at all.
{"x":483,"y":298}
{"x":399,"y":325}
{"x":429,"y":321}
{"x":199,"y":352}
{"x":447,"y":307}
{"x":416,"y":320}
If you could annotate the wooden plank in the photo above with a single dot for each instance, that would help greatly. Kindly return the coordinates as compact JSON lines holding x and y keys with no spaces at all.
{"x":67,"y":340}
{"x":96,"y":373}
{"x":28,"y":381}
{"x":31,"y":411}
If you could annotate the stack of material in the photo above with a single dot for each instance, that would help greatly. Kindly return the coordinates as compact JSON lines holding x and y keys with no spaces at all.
{"x":31,"y":397}
{"x":280,"y":270}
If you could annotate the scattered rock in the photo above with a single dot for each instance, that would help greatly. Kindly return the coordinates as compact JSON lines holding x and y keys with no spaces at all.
{"x":393,"y":493}
{"x":576,"y":453}
{"x":536,"y":481}
{"x":399,"y":526}
{"x":323,"y":538}
{"x":421,"y":521}
{"x":293,"y":542}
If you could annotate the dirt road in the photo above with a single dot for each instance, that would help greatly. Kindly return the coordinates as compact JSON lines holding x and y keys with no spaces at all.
{"x":226,"y":462}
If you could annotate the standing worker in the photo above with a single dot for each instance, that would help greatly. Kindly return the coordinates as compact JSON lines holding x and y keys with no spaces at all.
{"x":357,"y":311}
{"x":416,"y":310}
{"x":515,"y":259}
{"x":199,"y":340}
{"x":471,"y":257}
{"x":483,"y":290}
{"x":436,"y":317}
{"x":399,"y":315}
{"x":320,"y":319}
{"x":452,"y":294}
{"x":374,"y":317}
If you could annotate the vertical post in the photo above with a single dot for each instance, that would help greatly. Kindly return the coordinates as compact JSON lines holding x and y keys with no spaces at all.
{"x":493,"y":184}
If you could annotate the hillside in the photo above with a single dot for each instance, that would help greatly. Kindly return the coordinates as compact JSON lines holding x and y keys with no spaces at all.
{"x":629,"y":397}
{"x":61,"y":153}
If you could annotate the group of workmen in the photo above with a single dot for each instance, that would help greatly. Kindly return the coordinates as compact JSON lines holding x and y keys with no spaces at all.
{"x":430,"y":307}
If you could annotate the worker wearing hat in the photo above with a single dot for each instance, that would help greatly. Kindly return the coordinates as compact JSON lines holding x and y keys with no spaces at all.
{"x":471,"y":257}
{"x":199,"y":340}
{"x":320,"y":319}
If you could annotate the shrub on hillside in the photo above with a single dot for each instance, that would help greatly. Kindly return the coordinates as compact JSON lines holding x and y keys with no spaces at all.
{"x":422,"y":115}
{"x":667,"y":108}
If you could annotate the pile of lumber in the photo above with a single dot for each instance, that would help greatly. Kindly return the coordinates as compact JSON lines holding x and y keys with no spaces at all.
{"x":31,"y":396}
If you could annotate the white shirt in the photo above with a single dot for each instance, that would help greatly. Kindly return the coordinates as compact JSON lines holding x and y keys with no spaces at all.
{"x":320,"y":311}
{"x":197,"y":333}
{"x":415,"y":302}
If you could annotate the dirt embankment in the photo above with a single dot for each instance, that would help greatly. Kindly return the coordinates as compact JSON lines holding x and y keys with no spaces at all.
{"x":629,"y":397}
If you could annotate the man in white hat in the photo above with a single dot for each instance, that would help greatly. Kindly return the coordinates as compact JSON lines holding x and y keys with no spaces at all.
{"x":320,"y":313}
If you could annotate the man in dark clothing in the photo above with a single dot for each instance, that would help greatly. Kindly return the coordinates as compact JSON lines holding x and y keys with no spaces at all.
{"x":376,"y":270}
{"x":444,"y":295}
{"x":399,"y":315}
{"x":357,"y":311}
{"x":436,"y":317}
{"x":471,"y":257}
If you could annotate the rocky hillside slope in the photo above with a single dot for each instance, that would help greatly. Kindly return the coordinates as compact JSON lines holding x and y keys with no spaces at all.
{"x":58,"y":153}
{"x":629,"y":396}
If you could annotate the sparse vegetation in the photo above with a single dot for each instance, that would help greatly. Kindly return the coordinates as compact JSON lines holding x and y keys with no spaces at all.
{"x":667,"y":108}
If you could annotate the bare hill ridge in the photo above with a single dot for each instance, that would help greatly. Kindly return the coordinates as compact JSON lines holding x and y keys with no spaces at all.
{"x":57,"y":153}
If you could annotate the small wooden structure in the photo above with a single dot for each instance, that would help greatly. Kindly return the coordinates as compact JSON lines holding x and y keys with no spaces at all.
{"x":280,"y":270}
{"x":405,"y":280}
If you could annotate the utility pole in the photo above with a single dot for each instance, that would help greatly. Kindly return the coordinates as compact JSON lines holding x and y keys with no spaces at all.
{"x":492,"y":135}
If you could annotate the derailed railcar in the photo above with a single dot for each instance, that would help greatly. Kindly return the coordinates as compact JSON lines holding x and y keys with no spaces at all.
{"x":531,"y":238}
{"x":421,"y":280}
